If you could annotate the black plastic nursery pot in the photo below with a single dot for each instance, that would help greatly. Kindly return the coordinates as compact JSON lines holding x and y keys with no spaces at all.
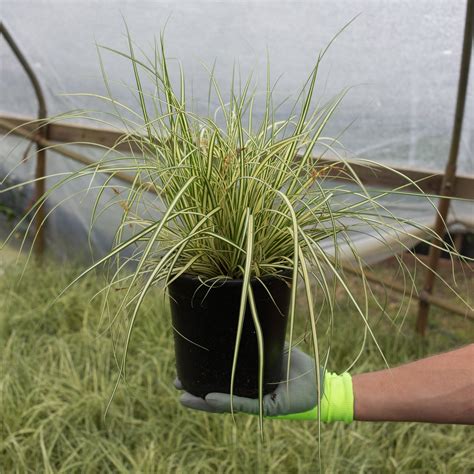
{"x":205,"y":319}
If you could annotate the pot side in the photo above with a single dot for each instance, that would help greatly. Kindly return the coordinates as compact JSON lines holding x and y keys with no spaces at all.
{"x":208,"y":317}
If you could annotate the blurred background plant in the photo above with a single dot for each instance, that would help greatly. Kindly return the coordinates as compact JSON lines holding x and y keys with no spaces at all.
{"x":58,"y":372}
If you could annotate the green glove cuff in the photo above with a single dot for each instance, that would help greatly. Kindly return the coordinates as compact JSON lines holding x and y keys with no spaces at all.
{"x":337,"y":402}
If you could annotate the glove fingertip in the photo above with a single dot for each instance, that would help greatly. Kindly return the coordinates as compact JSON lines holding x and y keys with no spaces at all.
{"x":215,"y":398}
{"x":186,"y":398}
{"x":196,"y":403}
{"x":222,"y":402}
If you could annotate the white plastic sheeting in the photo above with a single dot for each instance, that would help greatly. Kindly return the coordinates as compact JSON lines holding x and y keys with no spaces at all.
{"x":401,"y":58}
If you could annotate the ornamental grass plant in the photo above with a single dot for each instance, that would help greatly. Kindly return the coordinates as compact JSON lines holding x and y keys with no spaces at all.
{"x":232,"y":195}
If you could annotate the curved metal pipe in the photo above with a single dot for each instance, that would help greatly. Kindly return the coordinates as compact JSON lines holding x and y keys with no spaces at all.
{"x":43,"y":133}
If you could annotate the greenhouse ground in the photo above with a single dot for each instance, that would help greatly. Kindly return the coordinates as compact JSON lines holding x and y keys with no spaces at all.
{"x":58,"y":373}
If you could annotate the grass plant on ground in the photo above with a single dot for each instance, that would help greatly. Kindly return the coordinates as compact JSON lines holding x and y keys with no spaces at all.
{"x":58,"y":373}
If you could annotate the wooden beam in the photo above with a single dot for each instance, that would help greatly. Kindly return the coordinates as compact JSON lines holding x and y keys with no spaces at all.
{"x":463,"y":311}
{"x":44,"y":143}
{"x":428,"y":181}
{"x":69,"y":133}
{"x":12,"y":126}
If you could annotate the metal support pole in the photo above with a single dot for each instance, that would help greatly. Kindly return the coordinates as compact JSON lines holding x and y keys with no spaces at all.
{"x":447,"y":185}
{"x":42,"y":132}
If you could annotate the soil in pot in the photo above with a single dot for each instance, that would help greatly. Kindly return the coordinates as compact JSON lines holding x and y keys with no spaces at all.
{"x":205,"y":319}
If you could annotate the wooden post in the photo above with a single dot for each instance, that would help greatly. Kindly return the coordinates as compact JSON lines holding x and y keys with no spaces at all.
{"x":447,"y":186}
{"x":40,"y":171}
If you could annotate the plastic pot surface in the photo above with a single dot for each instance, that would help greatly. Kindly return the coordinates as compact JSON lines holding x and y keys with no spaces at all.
{"x":205,"y":319}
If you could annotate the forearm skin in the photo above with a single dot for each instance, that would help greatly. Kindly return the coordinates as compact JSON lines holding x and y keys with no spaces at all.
{"x":438,"y":389}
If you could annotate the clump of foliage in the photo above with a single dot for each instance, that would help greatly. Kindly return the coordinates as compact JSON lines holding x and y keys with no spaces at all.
{"x":233,"y":196}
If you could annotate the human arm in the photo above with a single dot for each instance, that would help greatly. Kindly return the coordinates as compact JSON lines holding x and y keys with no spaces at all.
{"x":437,"y":389}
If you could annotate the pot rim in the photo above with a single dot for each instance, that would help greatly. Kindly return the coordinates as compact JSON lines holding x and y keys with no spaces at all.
{"x":283,"y":275}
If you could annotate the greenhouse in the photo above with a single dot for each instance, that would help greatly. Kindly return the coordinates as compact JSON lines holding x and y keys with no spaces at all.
{"x":236,"y":236}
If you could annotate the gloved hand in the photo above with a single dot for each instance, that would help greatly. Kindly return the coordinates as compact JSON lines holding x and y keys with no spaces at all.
{"x":296,"y":400}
